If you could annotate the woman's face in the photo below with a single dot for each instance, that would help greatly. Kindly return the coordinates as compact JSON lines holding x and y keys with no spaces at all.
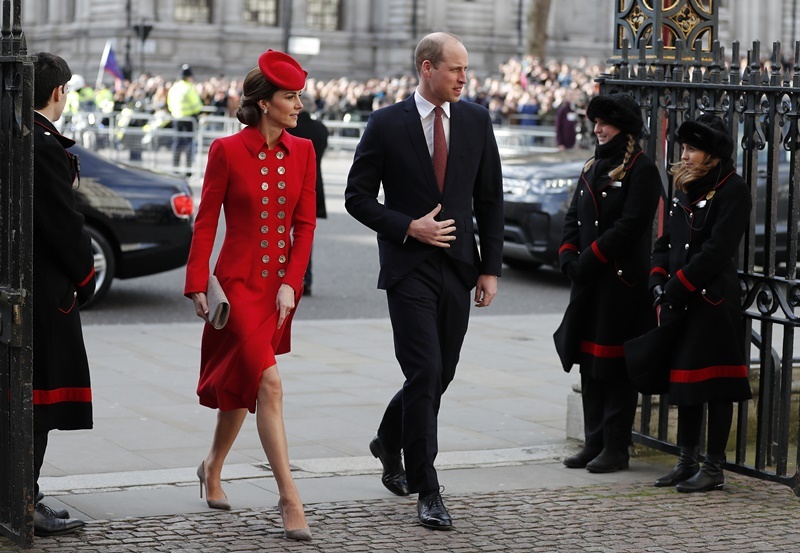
{"x":692,"y":156}
{"x":604,"y":131}
{"x":283,"y":108}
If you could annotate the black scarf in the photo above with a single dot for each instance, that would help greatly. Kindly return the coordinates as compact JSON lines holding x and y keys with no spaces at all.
{"x":609,"y":155}
{"x":700,"y":187}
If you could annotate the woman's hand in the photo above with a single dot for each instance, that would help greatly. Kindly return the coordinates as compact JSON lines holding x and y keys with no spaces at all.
{"x":200,"y":305}
{"x":284,"y":302}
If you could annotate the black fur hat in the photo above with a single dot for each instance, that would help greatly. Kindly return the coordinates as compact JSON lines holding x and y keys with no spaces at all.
{"x":707,"y":133}
{"x":618,"y":109}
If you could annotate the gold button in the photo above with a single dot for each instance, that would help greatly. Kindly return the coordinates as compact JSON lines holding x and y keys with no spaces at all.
{"x":265,"y":200}
{"x":265,"y":259}
{"x":281,"y":185}
{"x":619,"y":273}
{"x":279,"y":155}
{"x":281,"y":243}
{"x":264,"y":170}
{"x":264,"y":229}
{"x":262,"y":156}
{"x":264,"y":186}
{"x":264,"y":214}
{"x":264,"y":243}
{"x":604,"y":194}
{"x":264,"y":274}
{"x":281,"y":215}
{"x":282,"y":200}
{"x":281,"y":170}
{"x":703,"y":291}
{"x":281,"y":229}
{"x":281,"y":273}
{"x":282,"y":259}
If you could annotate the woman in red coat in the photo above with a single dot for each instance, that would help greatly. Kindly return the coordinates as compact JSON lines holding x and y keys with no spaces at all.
{"x":265,"y":180}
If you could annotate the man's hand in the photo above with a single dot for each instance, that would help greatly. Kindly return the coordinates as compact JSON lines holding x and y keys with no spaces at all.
{"x":485,"y":290}
{"x":430,"y":231}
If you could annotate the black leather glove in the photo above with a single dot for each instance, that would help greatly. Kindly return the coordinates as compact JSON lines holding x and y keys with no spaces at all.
{"x":572,"y":271}
{"x":86,"y":292}
{"x":660,"y":297}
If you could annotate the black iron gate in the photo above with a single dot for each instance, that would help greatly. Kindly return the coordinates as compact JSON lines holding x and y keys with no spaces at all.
{"x":16,"y":271}
{"x":760,"y":102}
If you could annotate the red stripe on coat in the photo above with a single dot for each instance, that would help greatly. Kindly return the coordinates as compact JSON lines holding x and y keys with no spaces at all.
{"x":602,"y":351}
{"x":685,"y":281}
{"x":659,"y":271}
{"x":599,"y":255}
{"x":85,"y":281}
{"x":570,"y":247}
{"x":62,"y":395}
{"x":681,"y":376}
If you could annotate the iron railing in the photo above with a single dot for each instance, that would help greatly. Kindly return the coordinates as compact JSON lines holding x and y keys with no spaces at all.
{"x":761,"y":106}
{"x":16,"y":272}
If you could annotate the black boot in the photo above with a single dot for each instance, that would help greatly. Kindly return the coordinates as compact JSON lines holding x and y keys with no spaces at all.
{"x":580,"y":459}
{"x":609,"y":460}
{"x":686,"y":468}
{"x":708,"y":478}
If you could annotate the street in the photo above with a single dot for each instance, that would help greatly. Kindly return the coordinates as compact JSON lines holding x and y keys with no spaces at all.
{"x":345,"y":268}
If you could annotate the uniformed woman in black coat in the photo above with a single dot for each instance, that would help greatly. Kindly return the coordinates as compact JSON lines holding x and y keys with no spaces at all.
{"x":605,"y":251}
{"x":694,"y":279}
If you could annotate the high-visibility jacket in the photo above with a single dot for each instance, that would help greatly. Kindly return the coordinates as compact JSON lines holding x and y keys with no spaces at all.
{"x":183,"y":99}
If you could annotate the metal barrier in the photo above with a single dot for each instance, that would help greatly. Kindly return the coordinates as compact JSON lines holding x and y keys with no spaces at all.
{"x":146,"y":139}
{"x":767,"y":107}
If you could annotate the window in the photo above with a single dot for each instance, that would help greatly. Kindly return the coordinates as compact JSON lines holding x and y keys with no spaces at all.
{"x":323,"y":15}
{"x":193,"y":11}
{"x":263,"y":12}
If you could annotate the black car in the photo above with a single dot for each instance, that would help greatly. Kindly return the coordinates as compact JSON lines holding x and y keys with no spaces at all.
{"x":140,"y":221}
{"x":537,"y":191}
{"x":536,"y":194}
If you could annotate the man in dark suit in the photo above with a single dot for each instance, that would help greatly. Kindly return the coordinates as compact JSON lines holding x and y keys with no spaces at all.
{"x":317,"y":133}
{"x":63,"y":279}
{"x":438,"y":161}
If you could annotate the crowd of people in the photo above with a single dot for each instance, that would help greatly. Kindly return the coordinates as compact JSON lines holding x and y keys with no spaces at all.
{"x":525,"y":91}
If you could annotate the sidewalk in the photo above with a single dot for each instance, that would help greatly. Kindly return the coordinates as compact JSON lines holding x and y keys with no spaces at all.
{"x":502,"y":438}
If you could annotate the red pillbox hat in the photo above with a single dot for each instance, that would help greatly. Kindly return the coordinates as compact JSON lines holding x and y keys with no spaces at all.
{"x":282,"y":70}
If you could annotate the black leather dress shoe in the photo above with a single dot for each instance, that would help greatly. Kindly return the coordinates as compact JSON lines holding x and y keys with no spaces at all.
{"x":47,"y":523}
{"x":609,"y":460}
{"x":432,"y":512}
{"x":394,"y":475}
{"x":60,"y":513}
{"x":582,"y":458}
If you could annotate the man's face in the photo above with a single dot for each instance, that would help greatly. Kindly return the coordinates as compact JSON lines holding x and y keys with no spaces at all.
{"x":446,"y":81}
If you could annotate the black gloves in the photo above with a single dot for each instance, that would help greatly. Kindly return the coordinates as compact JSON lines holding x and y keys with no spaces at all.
{"x":660,"y":297}
{"x":572,"y":271}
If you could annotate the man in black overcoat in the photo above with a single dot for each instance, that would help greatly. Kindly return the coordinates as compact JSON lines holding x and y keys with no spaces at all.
{"x":63,"y":279}
{"x":438,"y":162}
{"x":317,"y":133}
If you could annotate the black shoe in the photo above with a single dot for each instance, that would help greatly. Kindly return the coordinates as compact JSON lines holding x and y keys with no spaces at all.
{"x":708,"y":478}
{"x":686,"y":468}
{"x":47,"y":523}
{"x":307,"y":291}
{"x":394,"y":475}
{"x":609,"y":460}
{"x":580,"y":459}
{"x":432,"y":513}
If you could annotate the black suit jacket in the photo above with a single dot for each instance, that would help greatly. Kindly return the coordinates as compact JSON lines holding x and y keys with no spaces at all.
{"x":317,"y":133}
{"x":393,"y":151}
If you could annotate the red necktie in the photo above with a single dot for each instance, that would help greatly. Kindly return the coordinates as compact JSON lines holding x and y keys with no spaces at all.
{"x":439,"y":147}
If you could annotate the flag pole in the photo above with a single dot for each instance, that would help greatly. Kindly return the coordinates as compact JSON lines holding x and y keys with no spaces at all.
{"x":103,"y":60}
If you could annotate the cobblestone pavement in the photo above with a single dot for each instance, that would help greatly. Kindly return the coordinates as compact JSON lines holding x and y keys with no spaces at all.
{"x":748,"y":516}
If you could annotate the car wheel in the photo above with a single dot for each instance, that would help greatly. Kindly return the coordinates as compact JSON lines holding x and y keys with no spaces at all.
{"x":104,"y":264}
{"x":521,"y":264}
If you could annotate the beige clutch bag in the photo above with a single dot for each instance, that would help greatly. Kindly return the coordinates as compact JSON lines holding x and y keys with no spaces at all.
{"x":218,"y":307}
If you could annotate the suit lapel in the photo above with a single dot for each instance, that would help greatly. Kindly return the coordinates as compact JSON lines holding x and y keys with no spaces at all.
{"x":417,"y":136}
{"x":457,"y":137}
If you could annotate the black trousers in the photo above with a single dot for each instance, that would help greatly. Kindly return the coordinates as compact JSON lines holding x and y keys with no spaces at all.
{"x":609,"y":407}
{"x":429,"y":311}
{"x":39,"y":447}
{"x":720,"y":419}
{"x":183,"y":144}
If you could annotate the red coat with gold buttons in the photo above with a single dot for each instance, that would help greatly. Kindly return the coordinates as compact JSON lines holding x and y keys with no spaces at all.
{"x":269,"y":200}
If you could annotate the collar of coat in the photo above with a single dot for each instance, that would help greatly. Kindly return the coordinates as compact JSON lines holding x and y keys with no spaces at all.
{"x":255,"y":142}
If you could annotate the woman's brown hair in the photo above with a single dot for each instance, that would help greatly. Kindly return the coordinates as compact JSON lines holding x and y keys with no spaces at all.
{"x":683,"y":174}
{"x":254,"y":89}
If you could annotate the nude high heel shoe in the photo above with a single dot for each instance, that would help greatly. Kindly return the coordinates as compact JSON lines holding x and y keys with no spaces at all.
{"x":301,"y":534}
{"x":223,"y":504}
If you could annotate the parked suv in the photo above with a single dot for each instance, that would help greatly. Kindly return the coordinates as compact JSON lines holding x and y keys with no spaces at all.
{"x":536,"y":193}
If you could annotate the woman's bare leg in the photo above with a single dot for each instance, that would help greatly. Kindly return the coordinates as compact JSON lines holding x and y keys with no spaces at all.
{"x":271,"y":431}
{"x":228,"y":425}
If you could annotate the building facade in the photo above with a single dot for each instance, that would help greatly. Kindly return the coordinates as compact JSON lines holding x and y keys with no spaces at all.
{"x":355,"y":38}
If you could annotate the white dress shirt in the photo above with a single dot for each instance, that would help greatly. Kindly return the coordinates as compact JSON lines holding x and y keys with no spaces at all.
{"x":427,"y":116}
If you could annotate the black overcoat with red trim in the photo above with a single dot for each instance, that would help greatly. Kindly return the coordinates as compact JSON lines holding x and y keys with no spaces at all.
{"x":694,"y":261}
{"x":63,"y":278}
{"x":607,"y":231}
